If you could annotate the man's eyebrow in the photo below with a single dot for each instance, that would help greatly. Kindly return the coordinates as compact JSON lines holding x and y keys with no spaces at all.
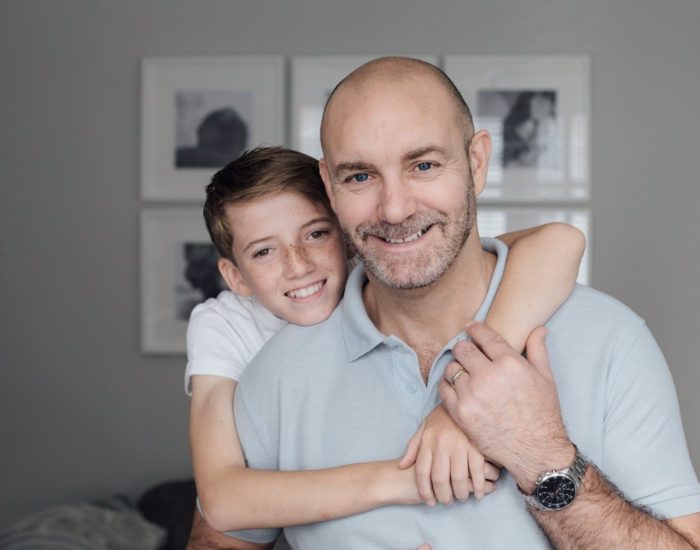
{"x":351,"y":167}
{"x":417,"y":153}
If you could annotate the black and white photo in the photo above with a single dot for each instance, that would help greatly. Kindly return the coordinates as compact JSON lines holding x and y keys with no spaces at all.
{"x":199,"y":113}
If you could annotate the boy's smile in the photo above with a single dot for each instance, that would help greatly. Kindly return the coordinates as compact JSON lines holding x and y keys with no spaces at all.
{"x":290,"y":255}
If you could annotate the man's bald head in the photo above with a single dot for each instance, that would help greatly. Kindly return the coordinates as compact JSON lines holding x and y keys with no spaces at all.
{"x":393,"y":70}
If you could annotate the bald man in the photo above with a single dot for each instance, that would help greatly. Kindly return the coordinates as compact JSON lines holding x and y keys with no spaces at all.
{"x":403,"y":166}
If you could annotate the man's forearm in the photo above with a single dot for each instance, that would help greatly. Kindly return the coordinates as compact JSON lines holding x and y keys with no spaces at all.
{"x":203,"y":537}
{"x":600,"y":517}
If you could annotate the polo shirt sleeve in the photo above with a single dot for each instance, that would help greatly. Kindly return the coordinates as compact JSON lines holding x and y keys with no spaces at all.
{"x":258,"y":454}
{"x":645,"y":451}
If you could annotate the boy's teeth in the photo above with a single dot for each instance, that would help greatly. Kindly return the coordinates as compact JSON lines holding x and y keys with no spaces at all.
{"x":407,"y":239}
{"x":304,"y":292}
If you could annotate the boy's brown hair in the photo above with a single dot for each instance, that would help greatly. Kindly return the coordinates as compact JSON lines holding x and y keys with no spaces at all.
{"x":258,"y":173}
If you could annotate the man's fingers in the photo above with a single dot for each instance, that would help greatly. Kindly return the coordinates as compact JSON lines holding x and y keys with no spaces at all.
{"x":489,"y":487}
{"x":470,"y":357}
{"x":536,"y":352}
{"x":411,"y":453}
{"x":490,"y":342}
{"x":456,"y":376}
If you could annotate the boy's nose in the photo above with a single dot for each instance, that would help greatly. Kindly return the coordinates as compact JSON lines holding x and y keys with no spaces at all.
{"x":298,"y":262}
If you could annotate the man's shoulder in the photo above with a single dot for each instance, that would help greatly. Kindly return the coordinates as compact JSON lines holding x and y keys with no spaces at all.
{"x":588,"y":301}
{"x":589,"y":318}
{"x":294,"y":350}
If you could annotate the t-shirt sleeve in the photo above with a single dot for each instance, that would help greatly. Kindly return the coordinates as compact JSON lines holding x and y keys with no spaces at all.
{"x":215,"y":346}
{"x":645,"y":451}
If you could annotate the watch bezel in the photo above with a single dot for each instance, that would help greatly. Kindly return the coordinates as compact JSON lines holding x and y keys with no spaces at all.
{"x":540,"y":494}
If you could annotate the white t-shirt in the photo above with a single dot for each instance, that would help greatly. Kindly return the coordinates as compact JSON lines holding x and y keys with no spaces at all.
{"x":225,"y":333}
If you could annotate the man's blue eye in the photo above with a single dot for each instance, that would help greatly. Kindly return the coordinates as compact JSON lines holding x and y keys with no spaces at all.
{"x":360,"y":177}
{"x":423,"y":166}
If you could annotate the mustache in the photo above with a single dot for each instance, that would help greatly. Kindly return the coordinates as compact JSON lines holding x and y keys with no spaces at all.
{"x":411,"y":225}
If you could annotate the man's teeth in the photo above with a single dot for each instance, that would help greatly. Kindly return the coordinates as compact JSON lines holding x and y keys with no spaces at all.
{"x":304,"y":292}
{"x":408,"y":239}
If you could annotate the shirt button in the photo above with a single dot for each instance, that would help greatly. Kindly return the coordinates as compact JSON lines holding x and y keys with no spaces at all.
{"x":412,"y":388}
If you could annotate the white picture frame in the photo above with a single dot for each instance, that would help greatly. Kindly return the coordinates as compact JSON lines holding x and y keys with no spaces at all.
{"x":537,"y":109}
{"x":495,"y":220}
{"x":178,"y":270}
{"x":313,"y":79}
{"x":199,"y":113}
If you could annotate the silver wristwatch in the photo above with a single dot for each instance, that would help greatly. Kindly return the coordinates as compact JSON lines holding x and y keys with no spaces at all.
{"x":556,"y":489}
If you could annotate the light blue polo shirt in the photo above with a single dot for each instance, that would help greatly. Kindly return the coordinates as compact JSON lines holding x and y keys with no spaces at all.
{"x":342,"y":392}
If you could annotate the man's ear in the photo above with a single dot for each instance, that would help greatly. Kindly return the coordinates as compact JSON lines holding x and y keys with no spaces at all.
{"x":233,"y":277}
{"x":479,"y":153}
{"x":325,"y":176}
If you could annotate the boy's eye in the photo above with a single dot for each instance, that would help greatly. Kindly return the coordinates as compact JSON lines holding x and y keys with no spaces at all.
{"x":423,"y":166}
{"x":261,"y":253}
{"x":317,"y":234}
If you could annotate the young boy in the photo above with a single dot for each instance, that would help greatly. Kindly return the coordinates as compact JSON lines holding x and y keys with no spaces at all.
{"x":283,"y":257}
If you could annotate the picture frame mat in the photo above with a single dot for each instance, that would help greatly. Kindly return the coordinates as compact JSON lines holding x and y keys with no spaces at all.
{"x":162,"y":77}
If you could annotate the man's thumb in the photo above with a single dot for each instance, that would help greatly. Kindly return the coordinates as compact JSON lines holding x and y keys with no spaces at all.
{"x":536,"y":352}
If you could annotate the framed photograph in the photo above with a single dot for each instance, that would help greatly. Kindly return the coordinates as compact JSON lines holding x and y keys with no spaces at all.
{"x":178,"y":271}
{"x":199,"y":113}
{"x":537,"y":110}
{"x":494,"y":221}
{"x":313,"y":80}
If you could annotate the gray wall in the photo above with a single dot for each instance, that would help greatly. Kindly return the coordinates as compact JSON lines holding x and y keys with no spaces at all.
{"x":83,"y":412}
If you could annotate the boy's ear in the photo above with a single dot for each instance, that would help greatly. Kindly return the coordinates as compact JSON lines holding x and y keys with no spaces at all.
{"x":233,"y":277}
{"x":325,"y":176}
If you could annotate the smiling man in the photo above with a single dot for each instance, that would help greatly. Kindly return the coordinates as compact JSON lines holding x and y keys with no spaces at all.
{"x":402,"y":167}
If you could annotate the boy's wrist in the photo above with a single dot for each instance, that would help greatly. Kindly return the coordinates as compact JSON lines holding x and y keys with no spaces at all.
{"x":394,"y":485}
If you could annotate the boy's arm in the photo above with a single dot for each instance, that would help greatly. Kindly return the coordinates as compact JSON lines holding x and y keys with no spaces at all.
{"x":234,"y":497}
{"x":540,"y":274}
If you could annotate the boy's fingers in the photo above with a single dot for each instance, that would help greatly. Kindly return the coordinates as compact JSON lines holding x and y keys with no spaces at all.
{"x":492,"y":473}
{"x":440,"y":476}
{"x":459,"y":474}
{"x":411,"y":453}
{"x":476,"y":472}
{"x":424,"y":463}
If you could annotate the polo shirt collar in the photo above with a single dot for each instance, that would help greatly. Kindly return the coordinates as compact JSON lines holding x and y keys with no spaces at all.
{"x":359,"y":332}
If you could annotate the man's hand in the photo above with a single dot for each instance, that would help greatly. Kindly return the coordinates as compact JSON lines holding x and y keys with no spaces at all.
{"x":508,"y":405}
{"x":448,"y":466}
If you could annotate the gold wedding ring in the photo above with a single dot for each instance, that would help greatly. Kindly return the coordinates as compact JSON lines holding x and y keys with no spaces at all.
{"x":459,"y":373}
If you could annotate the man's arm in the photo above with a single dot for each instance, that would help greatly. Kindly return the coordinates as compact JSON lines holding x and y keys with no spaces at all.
{"x":509,"y":408}
{"x":204,"y":537}
{"x":600,"y":517}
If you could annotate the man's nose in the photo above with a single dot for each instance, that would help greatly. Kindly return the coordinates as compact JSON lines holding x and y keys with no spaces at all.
{"x":297,"y":262}
{"x":396,"y":200}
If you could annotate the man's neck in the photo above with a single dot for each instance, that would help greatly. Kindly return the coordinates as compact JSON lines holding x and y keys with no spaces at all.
{"x":427,"y":318}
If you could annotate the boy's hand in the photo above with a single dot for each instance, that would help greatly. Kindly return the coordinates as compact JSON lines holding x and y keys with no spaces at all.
{"x":448,"y":466}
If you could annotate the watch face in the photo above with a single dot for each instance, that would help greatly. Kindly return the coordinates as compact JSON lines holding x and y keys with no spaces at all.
{"x":556,"y":492}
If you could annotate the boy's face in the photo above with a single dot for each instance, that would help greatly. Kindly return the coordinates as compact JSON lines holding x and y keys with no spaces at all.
{"x":290,"y":255}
